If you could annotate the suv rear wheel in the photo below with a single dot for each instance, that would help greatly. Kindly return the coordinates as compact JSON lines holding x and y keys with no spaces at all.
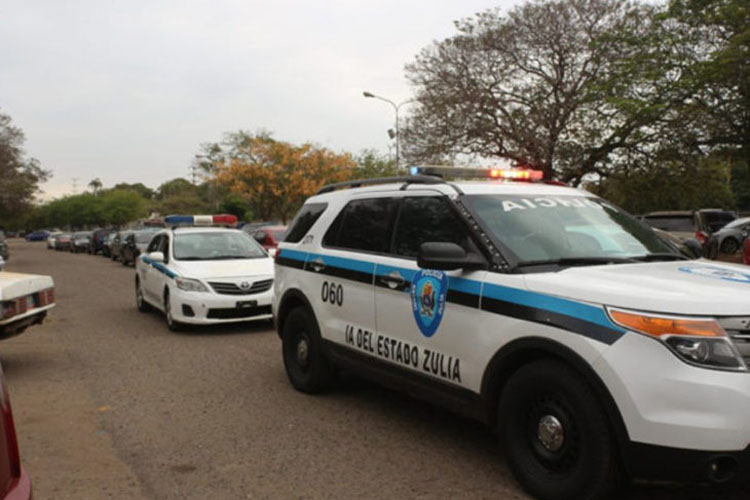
{"x":306,"y":366}
{"x":556,"y":435}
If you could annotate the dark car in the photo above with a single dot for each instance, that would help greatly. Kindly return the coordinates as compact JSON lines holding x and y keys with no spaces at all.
{"x":686,"y":224}
{"x":135,"y":243}
{"x":4,"y":250}
{"x":80,"y":241}
{"x":41,"y":235}
{"x":117,"y":243}
{"x":63,"y":241}
{"x":97,"y":240}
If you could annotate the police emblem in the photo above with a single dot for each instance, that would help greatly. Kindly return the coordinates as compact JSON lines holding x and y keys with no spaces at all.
{"x":428,"y":289}
{"x":721,"y":273}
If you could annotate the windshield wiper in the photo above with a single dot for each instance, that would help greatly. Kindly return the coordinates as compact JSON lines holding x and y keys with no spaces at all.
{"x":650,"y":257}
{"x":577,"y":261}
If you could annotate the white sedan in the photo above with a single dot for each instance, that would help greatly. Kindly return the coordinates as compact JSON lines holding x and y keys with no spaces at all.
{"x":205,"y":275}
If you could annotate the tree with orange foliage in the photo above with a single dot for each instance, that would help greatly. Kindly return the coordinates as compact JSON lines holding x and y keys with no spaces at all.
{"x":276,"y":177}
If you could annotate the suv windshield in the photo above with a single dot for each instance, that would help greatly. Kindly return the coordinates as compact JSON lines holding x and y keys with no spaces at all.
{"x":575,"y":230}
{"x":216,"y":246}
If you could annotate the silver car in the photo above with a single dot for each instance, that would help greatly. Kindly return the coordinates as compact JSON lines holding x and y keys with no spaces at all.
{"x":729,"y":238}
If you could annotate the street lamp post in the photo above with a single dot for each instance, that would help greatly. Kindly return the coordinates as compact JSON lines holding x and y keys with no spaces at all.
{"x":395,"y":109}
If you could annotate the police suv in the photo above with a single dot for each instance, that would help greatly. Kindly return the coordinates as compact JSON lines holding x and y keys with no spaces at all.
{"x":204,"y":275}
{"x":592,"y":346}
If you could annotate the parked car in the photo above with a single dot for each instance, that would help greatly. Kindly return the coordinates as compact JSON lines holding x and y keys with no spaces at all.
{"x":41,"y":235}
{"x":52,"y":239}
{"x":63,"y":241}
{"x":4,"y":249}
{"x":685,"y":224}
{"x":690,"y":247}
{"x":80,"y":241}
{"x":729,"y":238}
{"x":15,"y":483}
{"x":117,"y":242}
{"x":25,"y":298}
{"x":135,"y":244}
{"x":269,"y":237}
{"x":97,"y":240}
{"x":107,"y":242}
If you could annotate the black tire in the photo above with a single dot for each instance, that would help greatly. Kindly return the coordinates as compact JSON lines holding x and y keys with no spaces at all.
{"x":140,"y":302}
{"x":730,"y":245}
{"x":306,"y":366}
{"x":580,"y":462}
{"x":173,"y":325}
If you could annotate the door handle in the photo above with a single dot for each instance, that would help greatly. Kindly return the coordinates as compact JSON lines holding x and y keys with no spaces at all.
{"x":317,"y":265}
{"x":393,"y":280}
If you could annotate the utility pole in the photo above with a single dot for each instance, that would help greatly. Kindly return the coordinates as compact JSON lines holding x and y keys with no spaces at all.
{"x":75,"y":185}
{"x":391,"y":134}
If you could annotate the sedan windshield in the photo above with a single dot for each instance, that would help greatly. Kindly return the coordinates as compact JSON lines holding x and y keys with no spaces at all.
{"x":567,"y":230}
{"x":216,"y":246}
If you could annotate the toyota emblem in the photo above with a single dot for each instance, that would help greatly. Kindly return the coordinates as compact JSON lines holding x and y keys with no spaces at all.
{"x":244,"y":285}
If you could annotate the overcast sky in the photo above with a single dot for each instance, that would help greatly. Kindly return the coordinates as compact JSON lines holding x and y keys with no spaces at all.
{"x":127,"y":90}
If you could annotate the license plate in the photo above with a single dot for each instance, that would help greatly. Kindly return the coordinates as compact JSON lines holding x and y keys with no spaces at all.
{"x":244,"y":304}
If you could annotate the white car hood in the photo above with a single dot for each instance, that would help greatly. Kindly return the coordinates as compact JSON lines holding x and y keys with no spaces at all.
{"x":224,"y":268}
{"x":13,"y":285}
{"x":698,"y":287}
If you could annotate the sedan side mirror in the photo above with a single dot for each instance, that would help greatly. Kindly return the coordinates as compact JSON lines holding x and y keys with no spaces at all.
{"x":447,"y":257}
{"x":156,"y":256}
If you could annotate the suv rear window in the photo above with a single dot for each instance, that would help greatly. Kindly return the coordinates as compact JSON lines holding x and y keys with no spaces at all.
{"x":304,"y":220}
{"x":679,"y":223}
{"x":364,"y":225}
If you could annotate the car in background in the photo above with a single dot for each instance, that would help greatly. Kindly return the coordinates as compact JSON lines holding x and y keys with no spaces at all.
{"x":689,"y":247}
{"x":63,"y":241}
{"x":15,"y":483}
{"x":41,"y":235}
{"x":25,"y":300}
{"x":97,"y":240}
{"x":269,"y":237}
{"x":729,"y":238}
{"x":4,"y":249}
{"x":135,"y":244}
{"x":107,"y":242}
{"x":52,"y":239}
{"x":686,"y":224}
{"x":117,"y":243}
{"x":80,"y":241}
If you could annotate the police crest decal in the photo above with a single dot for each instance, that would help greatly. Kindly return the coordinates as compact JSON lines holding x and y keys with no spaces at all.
{"x":428,"y":289}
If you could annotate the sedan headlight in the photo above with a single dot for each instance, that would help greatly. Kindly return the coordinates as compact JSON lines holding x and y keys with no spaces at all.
{"x":698,"y":341}
{"x":190,"y":285}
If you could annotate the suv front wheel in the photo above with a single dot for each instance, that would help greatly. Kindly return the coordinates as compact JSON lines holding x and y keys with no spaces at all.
{"x":556,"y":435}
{"x":306,"y":366}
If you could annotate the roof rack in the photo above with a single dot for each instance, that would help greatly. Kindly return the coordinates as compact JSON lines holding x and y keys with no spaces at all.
{"x":407,"y":179}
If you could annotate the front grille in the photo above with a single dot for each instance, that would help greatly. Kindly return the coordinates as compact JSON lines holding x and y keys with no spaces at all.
{"x":233,"y":289}
{"x":738,"y":329}
{"x":238,"y":312}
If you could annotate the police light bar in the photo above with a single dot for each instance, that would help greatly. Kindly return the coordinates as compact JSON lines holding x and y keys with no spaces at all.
{"x":513,"y":174}
{"x":201,"y":220}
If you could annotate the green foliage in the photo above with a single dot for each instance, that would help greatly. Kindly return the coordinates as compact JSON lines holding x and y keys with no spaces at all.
{"x":672,"y":186}
{"x":19,"y":176}
{"x":370,"y":164}
{"x":233,"y":204}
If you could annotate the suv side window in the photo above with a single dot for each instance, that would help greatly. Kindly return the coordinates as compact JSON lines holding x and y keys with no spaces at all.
{"x":154,"y":244}
{"x":424,"y":219}
{"x":164,"y":247}
{"x":304,"y":220}
{"x":364,"y":225}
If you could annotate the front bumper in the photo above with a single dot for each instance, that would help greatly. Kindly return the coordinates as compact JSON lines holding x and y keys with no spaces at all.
{"x":661,"y":463}
{"x":213,"y":308}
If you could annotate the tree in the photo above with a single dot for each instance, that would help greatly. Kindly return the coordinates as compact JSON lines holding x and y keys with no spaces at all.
{"x":370,"y":164}
{"x":138,"y":188}
{"x":95,"y":185}
{"x":275,"y":177}
{"x":542,"y":86}
{"x":19,"y":176}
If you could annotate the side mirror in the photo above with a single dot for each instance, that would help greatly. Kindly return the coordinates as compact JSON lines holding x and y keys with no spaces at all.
{"x":156,"y":256}
{"x":447,"y":257}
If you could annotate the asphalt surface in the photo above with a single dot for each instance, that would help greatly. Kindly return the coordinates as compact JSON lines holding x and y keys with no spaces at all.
{"x":110,"y":404}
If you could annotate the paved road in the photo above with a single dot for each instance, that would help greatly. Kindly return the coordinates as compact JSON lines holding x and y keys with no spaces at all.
{"x":110,"y":404}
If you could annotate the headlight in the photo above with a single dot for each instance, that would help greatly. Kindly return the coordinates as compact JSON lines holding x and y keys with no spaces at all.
{"x":190,"y":285}
{"x":698,"y":341}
